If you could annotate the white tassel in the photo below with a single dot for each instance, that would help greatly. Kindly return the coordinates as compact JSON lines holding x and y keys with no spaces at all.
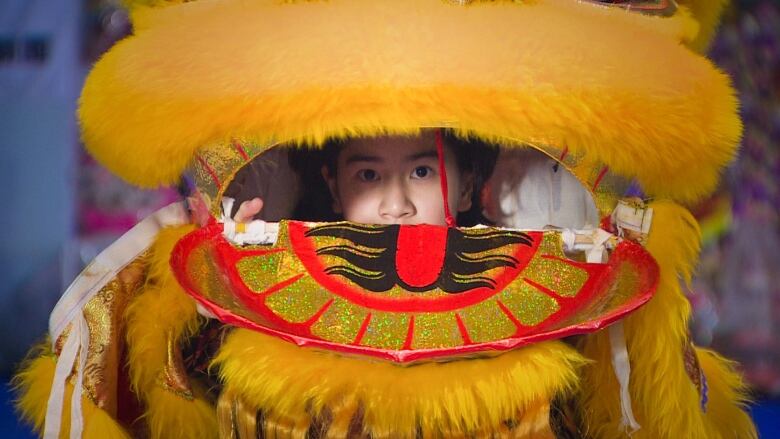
{"x":620,"y":362}
{"x":76,"y":415}
{"x":622,"y":367}
{"x":70,"y":349}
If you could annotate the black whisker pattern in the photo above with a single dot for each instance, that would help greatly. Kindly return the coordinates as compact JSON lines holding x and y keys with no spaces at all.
{"x":372,"y":258}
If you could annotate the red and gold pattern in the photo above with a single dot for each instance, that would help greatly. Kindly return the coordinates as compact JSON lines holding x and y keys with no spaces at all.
{"x":289,"y":290}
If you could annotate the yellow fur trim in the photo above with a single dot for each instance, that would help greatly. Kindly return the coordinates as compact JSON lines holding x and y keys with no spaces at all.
{"x":707,"y":14}
{"x":665,"y":401}
{"x":170,"y":415}
{"x":558,"y":72}
{"x":33,"y":384}
{"x":291,"y":384}
{"x":163,"y":308}
{"x":728,"y":396}
{"x":161,"y":312}
{"x":100,"y":425}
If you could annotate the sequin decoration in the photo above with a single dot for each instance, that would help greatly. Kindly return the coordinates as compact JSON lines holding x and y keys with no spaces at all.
{"x":315,"y":310}
{"x":557,"y":275}
{"x":436,"y":330}
{"x":260,"y":272}
{"x":215,"y":166}
{"x":486,"y":322}
{"x":386,"y":330}
{"x":527,"y":304}
{"x":552,"y":244}
{"x":203,"y":270}
{"x":299,"y":301}
{"x":626,"y":282}
{"x":340,"y":323}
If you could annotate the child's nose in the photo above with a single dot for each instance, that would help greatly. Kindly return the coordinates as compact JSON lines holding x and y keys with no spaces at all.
{"x":396,"y":204}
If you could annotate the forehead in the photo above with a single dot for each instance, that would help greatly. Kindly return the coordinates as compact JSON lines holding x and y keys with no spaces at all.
{"x":388,"y":148}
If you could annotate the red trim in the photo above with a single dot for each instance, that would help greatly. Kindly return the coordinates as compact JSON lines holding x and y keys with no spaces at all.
{"x":308,"y":323}
{"x":362,"y":330}
{"x":464,"y":332}
{"x":209,"y":170}
{"x":240,"y":150}
{"x":281,"y":285}
{"x":509,"y":314}
{"x":306,"y":253}
{"x":601,"y":175}
{"x":567,"y":317}
{"x":443,"y":179}
{"x":409,"y":334}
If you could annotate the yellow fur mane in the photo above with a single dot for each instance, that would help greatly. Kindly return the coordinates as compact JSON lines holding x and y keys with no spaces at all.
{"x":200,"y":73}
{"x":292,"y":384}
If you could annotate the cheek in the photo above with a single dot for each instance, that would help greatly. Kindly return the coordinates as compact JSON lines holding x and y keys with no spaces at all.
{"x":358,"y":206}
{"x":428,"y":203}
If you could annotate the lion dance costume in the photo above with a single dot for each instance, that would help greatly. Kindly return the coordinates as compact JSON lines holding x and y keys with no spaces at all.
{"x":337,"y":330}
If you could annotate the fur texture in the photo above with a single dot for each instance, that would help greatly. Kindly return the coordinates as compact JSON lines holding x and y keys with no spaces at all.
{"x":33,"y":385}
{"x":664,"y":399}
{"x":290,"y":384}
{"x":632,"y":97}
{"x":163,"y":311}
{"x":707,"y":14}
{"x":169,"y":415}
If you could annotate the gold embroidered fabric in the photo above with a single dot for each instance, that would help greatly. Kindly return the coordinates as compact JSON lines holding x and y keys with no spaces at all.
{"x":173,"y":376}
{"x":103,"y":314}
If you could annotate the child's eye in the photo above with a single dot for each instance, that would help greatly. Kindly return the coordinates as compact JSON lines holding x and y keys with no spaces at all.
{"x":368,"y":175}
{"x":422,"y":172}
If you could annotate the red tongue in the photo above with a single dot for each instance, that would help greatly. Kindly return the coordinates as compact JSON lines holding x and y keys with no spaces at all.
{"x":420,"y":255}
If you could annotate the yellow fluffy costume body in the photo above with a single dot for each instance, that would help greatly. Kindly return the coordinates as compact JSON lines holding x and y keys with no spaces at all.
{"x":616,"y":91}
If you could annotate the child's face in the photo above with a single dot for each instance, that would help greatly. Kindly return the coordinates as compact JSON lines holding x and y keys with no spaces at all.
{"x":395,"y":180}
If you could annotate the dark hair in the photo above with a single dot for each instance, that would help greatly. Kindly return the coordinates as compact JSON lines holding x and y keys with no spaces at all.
{"x":315,"y":204}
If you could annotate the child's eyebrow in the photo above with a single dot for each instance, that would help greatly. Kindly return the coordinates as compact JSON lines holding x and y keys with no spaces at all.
{"x":356,"y":158}
{"x":422,"y":155}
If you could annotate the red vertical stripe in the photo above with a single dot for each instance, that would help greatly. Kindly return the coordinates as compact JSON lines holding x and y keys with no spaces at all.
{"x":209,"y":170}
{"x":240,"y":150}
{"x":509,"y":314}
{"x":601,"y":175}
{"x":463,"y":331}
{"x":564,"y":154}
{"x":319,"y":314}
{"x":362,"y":330}
{"x":443,"y":179}
{"x":409,"y":334}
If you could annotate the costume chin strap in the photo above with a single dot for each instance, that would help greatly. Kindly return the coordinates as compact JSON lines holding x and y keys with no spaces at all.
{"x":622,"y":367}
{"x":595,"y":246}
{"x":69,"y":312}
{"x":443,"y":179}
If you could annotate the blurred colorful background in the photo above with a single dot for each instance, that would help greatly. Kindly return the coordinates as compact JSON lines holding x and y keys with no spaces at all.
{"x":63,"y":208}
